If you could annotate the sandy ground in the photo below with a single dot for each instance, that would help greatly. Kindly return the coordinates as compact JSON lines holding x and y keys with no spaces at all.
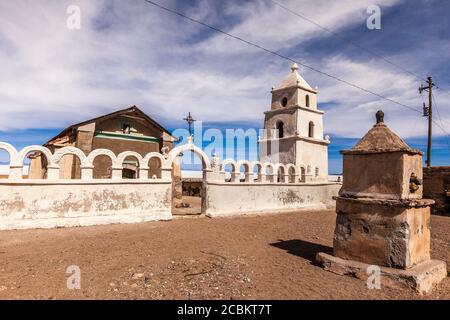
{"x":194,"y":208}
{"x":254,"y":257}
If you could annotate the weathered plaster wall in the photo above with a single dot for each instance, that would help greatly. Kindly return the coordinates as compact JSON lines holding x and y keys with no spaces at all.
{"x":304,"y":118}
{"x":313,"y":156}
{"x":385,"y":233}
{"x":223,"y":199}
{"x":54,"y":202}
{"x":285,"y":115}
{"x":65,"y":204}
{"x":381,"y":175}
{"x":285,"y":153}
{"x":288,"y":93}
{"x":177,"y":187}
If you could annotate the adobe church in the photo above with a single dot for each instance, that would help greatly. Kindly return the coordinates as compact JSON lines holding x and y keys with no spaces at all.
{"x":124,"y":130}
{"x":294,"y":134}
{"x":294,"y":129}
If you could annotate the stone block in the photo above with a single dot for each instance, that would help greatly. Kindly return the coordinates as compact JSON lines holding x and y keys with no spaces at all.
{"x":381,"y":175}
{"x":386,"y":233}
{"x":422,"y":277}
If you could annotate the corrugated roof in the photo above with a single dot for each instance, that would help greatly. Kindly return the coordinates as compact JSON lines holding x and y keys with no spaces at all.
{"x":110,"y":115}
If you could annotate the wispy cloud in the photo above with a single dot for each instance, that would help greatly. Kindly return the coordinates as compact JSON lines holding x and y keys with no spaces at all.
{"x":128,"y":52}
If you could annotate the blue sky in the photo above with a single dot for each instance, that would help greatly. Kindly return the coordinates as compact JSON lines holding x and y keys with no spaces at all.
{"x":130,"y":53}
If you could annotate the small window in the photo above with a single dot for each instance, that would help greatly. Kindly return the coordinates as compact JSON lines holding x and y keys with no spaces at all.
{"x":307,"y":100}
{"x":303,"y":174}
{"x":280,"y":129}
{"x":126,"y":127}
{"x":311,"y":129}
{"x":317,"y":171}
{"x":284,"y":102}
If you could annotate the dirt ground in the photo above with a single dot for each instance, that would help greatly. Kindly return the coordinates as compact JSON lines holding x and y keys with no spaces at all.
{"x":253,"y":257}
{"x":194,"y":207}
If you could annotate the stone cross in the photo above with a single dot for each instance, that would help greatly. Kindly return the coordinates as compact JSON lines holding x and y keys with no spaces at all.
{"x":190,"y":120}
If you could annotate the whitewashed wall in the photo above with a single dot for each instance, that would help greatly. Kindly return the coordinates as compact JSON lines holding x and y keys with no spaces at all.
{"x":46,"y":204}
{"x":228,"y":199}
{"x":54,"y":202}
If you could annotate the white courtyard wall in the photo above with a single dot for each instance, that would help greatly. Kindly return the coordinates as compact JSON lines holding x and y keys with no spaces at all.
{"x":55,"y":202}
{"x":43,"y":204}
{"x":227,"y":199}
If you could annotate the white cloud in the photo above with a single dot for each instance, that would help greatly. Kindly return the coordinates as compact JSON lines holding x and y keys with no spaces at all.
{"x":270,"y":25}
{"x":132,"y":53}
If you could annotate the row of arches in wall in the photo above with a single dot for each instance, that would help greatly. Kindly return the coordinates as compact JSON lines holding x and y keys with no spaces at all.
{"x":279,"y":126}
{"x":251,"y":171}
{"x":150,"y":166}
{"x":70,"y":162}
{"x":284,"y":101}
{"x":245,"y":171}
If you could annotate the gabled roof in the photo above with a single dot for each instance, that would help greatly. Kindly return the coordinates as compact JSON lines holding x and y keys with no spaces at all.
{"x":133,"y":109}
{"x":295,"y":80}
{"x":381,"y":139}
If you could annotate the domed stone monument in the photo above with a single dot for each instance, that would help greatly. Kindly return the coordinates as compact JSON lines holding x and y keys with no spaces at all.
{"x":381,"y":218}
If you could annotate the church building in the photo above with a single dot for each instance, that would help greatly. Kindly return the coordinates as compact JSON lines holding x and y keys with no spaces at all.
{"x":128,"y":129}
{"x":294,"y":129}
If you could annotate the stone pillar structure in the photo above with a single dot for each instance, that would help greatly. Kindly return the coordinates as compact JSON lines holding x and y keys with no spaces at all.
{"x":177,"y":184}
{"x":381,"y":218}
{"x":85,"y":136}
{"x":214,"y":174}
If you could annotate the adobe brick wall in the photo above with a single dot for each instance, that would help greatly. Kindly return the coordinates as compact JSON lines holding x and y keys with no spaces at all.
{"x":436,"y":184}
{"x":102,"y":164}
{"x":85,"y":140}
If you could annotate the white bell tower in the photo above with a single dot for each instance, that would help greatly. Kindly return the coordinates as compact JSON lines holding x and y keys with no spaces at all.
{"x":294,"y":129}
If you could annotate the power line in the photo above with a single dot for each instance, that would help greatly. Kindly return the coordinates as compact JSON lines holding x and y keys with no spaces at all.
{"x":445,"y":133}
{"x":437,"y":110}
{"x":442,"y":124}
{"x":347,"y":40}
{"x":278,"y":54}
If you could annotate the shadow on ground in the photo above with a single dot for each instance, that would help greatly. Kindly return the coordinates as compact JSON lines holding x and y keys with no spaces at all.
{"x":303,"y":249}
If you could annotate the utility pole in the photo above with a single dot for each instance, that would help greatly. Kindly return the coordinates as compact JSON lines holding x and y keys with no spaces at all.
{"x":428,"y":112}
